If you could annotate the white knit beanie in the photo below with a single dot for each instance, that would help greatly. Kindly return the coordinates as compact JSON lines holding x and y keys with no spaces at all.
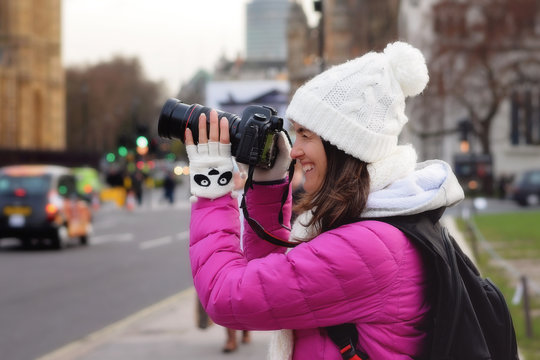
{"x":359,"y":106}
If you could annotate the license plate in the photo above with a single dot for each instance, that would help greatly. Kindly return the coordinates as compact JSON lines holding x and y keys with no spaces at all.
{"x":16,"y":220}
{"x":17,"y":210}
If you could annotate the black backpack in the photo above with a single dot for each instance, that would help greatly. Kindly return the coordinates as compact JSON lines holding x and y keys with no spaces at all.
{"x":470,"y":317}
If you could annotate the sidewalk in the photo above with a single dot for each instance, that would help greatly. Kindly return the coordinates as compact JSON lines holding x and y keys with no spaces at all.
{"x":164,"y":331}
{"x":167,"y":331}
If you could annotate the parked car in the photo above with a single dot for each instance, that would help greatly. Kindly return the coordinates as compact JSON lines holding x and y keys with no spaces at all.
{"x":525,"y":189}
{"x":40,"y":202}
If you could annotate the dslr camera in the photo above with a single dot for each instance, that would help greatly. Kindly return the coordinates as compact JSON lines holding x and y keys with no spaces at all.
{"x":253,"y":135}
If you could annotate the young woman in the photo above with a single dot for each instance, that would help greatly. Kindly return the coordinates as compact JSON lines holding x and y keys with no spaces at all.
{"x":349,"y":268}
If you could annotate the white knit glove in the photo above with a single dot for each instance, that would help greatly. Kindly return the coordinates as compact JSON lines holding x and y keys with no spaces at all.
{"x":210,"y":168}
{"x":281,"y":166}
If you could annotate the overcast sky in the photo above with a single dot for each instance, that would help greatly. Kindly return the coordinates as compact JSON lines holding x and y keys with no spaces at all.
{"x":172,"y":38}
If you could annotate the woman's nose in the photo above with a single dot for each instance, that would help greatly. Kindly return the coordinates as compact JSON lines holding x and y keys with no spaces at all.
{"x":296,"y":151}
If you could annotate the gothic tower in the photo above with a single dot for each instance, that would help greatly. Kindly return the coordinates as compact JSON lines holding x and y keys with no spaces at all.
{"x":32,"y":89}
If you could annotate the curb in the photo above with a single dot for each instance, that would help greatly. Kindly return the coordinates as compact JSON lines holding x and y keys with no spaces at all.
{"x":78,"y":348}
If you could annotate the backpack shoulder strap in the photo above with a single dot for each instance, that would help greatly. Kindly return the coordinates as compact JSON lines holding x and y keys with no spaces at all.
{"x":345,"y":336}
{"x":438,"y":250}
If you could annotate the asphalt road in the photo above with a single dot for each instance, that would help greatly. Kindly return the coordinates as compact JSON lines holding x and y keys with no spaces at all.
{"x":50,"y":298}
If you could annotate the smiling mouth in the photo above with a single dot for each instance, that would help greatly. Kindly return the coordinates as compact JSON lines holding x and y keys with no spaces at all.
{"x":307,"y":168}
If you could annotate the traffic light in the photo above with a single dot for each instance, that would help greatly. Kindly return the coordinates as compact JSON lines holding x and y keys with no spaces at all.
{"x":141,"y":141}
{"x":123,"y":143}
{"x":122,"y":151}
{"x":142,"y":145}
{"x":110,"y":157}
{"x":464,"y":128}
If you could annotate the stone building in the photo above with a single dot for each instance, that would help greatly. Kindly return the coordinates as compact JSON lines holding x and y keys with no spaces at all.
{"x":464,"y":42}
{"x":346,"y":30}
{"x":32,"y":93}
{"x":353,"y":27}
{"x":303,"y":60}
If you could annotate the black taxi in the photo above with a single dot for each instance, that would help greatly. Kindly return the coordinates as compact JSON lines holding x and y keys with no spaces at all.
{"x":40,"y":202}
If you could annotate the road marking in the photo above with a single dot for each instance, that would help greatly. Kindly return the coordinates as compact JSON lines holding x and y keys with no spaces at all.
{"x":124,"y":237}
{"x":9,"y":242}
{"x":149,"y":244}
{"x":85,"y":345}
{"x":106,"y":238}
{"x":97,"y":240}
{"x":184,"y":235}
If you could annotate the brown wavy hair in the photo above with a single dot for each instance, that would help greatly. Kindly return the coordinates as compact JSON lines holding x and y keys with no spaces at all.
{"x":343,"y":194}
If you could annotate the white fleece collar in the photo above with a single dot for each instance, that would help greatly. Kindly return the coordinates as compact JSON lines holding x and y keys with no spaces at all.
{"x":432,"y":185}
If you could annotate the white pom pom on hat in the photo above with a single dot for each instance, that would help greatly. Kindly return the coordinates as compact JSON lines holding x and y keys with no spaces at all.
{"x":359,"y":106}
{"x":409,"y":67}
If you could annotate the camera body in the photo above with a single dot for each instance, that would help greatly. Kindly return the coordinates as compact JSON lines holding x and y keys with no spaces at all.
{"x":253,"y":135}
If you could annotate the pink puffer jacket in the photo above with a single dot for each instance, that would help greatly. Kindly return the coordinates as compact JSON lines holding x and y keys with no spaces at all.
{"x":367,"y":273}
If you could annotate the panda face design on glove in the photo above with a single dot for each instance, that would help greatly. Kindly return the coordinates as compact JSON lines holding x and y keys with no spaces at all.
{"x":214,"y":179}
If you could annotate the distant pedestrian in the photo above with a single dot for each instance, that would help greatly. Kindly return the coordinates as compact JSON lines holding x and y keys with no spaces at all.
{"x":169,"y":184}
{"x":503,"y":183}
{"x":348,"y":267}
{"x":137,"y":184}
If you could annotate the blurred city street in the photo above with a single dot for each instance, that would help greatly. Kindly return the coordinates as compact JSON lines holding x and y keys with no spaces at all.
{"x":94,"y":174}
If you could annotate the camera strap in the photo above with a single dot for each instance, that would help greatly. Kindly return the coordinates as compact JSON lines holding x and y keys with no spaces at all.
{"x":254,"y":224}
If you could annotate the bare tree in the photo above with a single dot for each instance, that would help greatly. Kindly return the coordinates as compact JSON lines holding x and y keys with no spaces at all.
{"x":109,"y":101}
{"x":483,"y":51}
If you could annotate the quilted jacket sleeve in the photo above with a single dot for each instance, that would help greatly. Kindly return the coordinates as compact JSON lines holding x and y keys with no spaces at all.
{"x":340,"y":275}
{"x":264,"y":203}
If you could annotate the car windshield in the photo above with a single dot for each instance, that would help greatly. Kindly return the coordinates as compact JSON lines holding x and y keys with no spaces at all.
{"x":33,"y":185}
{"x":533,"y":178}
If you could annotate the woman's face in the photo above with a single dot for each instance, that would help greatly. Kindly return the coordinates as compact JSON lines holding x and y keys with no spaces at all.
{"x":308,"y":149}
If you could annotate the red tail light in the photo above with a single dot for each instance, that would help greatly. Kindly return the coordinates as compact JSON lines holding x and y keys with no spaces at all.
{"x":20,"y":192}
{"x":51,"y":211}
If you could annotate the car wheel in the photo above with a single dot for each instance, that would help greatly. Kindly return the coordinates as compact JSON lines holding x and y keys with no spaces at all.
{"x":61,"y":238}
{"x":533,"y":200}
{"x":83,"y":240}
{"x":26,"y":243}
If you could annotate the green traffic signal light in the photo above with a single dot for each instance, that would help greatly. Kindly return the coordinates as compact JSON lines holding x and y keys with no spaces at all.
{"x":110,"y":157}
{"x":142,"y":141}
{"x":122,"y":151}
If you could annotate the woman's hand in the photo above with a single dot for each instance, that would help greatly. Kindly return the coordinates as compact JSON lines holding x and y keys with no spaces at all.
{"x":210,"y":162}
{"x":281,"y":166}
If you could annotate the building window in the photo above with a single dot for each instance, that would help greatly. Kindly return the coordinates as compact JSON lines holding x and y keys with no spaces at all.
{"x":525,"y":117}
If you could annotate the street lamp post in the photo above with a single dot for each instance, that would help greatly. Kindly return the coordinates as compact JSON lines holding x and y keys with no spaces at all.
{"x":318,"y":6}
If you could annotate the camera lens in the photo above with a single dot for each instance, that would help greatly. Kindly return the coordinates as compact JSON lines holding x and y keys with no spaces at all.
{"x":176,"y":117}
{"x":253,"y":137}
